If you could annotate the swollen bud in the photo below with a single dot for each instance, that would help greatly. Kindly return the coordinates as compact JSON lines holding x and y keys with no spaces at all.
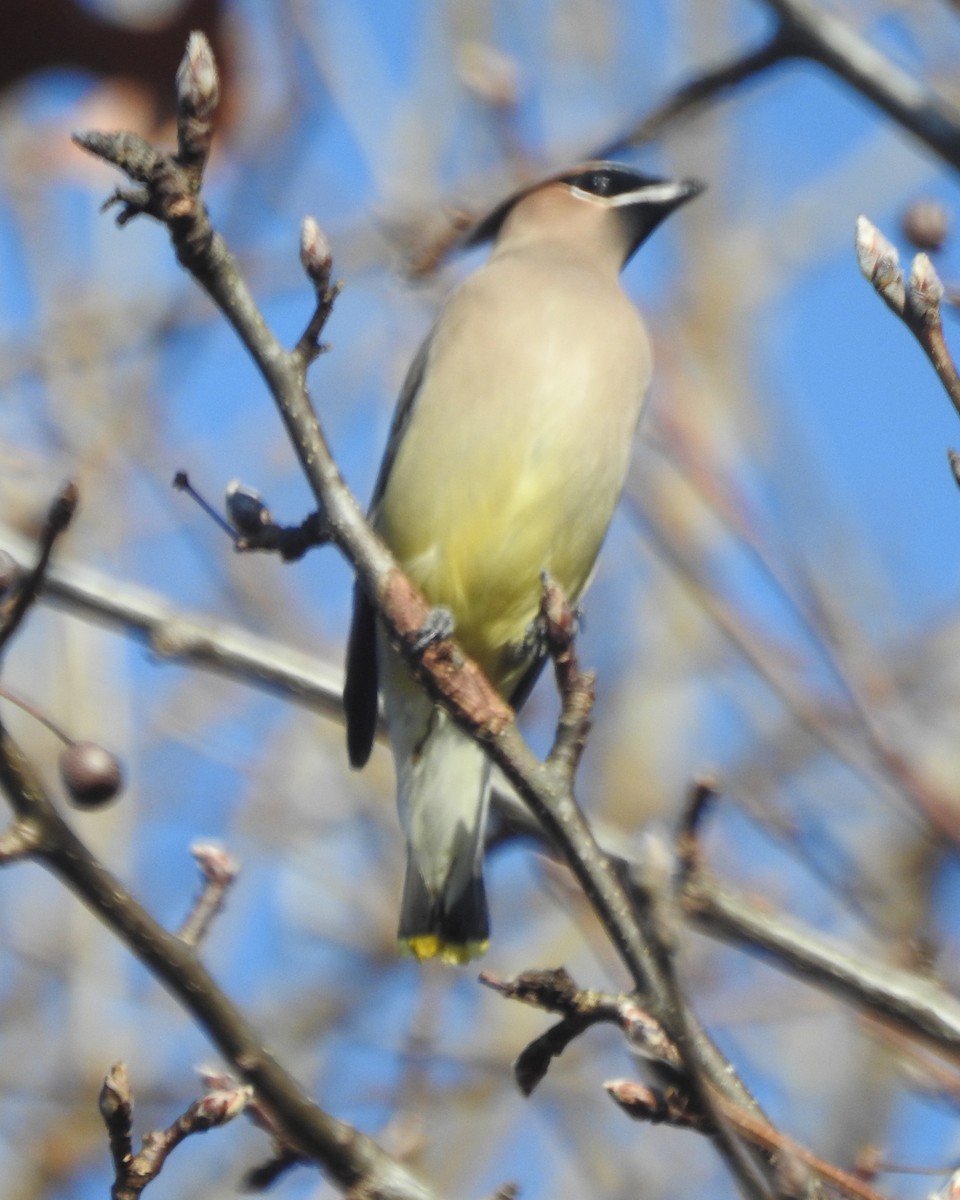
{"x":91,"y":774}
{"x":116,"y":1097}
{"x":315,"y":254}
{"x":880,"y":264}
{"x":222,"y":1105}
{"x":247,"y":512}
{"x":925,"y":290}
{"x":198,"y":84}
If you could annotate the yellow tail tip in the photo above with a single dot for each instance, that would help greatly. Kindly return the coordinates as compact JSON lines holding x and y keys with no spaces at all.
{"x":431,"y":945}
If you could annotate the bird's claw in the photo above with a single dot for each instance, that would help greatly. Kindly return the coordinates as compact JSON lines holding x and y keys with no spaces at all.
{"x":437,"y":627}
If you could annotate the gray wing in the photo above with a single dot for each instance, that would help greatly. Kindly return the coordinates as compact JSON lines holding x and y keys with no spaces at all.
{"x":361,"y":685}
{"x":401,"y":419}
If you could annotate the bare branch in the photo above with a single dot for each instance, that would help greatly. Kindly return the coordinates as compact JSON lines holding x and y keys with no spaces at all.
{"x":577,"y":688}
{"x":214,"y":645}
{"x":812,"y":31}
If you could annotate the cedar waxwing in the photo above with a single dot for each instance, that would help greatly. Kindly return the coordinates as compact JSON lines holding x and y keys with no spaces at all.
{"x":508,"y":452}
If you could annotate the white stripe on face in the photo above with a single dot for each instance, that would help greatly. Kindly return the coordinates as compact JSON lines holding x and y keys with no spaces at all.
{"x":649,"y":193}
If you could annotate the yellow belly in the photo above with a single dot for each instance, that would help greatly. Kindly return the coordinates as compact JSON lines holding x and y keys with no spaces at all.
{"x":514,"y":456}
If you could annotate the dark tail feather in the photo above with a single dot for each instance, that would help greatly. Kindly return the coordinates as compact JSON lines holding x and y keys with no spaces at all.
{"x":360,"y":689}
{"x":454,"y":926}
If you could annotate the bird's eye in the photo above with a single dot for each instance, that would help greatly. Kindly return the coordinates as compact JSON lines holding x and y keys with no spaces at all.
{"x":608,"y":180}
{"x":595,"y":183}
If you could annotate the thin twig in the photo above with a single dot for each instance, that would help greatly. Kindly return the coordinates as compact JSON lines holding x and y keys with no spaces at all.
{"x":694,"y":95}
{"x":218,"y":870}
{"x":15,"y":607}
{"x":654,"y":893}
{"x":317,"y":261}
{"x":134,"y":1171}
{"x":581,"y":1008}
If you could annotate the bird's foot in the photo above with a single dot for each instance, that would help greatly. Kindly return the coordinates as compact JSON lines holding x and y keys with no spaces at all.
{"x":533,"y":646}
{"x":560,"y":620}
{"x":555,"y":627}
{"x":540,"y":638}
{"x":438,"y":626}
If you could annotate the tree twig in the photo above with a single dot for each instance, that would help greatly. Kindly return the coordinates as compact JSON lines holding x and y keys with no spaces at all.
{"x":134,"y":1171}
{"x":694,"y":95}
{"x":15,"y":606}
{"x":554,"y":991}
{"x":218,"y":870}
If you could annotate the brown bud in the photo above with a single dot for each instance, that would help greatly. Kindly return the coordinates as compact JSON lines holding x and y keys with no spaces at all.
{"x":646,"y":1036}
{"x":635,"y":1098}
{"x":868,"y":1162}
{"x":91,"y":774}
{"x":63,"y":507}
{"x":222,"y":1105}
{"x":926,"y":224}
